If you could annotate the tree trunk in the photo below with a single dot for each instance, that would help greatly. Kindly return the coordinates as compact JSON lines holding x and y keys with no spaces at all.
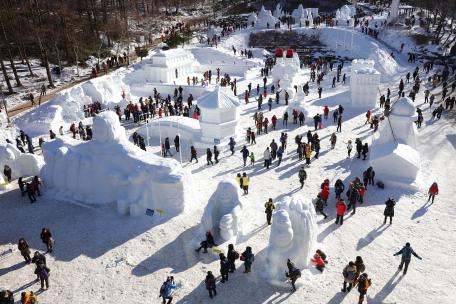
{"x":10,"y":55}
{"x":21,"y":55}
{"x":27,"y":61}
{"x":48,"y":69}
{"x":5,"y":76}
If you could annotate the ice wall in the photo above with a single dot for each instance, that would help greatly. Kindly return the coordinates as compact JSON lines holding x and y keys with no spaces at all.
{"x":293,"y":236}
{"x":109,"y":169}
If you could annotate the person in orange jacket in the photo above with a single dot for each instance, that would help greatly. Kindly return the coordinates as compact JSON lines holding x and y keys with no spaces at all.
{"x":433,"y":191}
{"x":340,"y":207}
{"x":318,"y":261}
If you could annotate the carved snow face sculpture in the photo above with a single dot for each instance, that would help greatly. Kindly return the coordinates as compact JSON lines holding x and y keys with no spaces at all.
{"x":293,"y":236}
{"x":222,"y":212}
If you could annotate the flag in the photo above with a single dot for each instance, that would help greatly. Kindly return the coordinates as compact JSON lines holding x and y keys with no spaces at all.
{"x":150,"y":212}
{"x":159,"y":211}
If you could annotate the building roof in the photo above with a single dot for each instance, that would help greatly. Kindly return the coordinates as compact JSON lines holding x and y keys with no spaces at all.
{"x":218,"y":98}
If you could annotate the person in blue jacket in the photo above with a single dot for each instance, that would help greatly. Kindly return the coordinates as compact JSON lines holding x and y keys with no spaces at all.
{"x":406,"y":253}
{"x":166,"y":290}
{"x":245,"y":154}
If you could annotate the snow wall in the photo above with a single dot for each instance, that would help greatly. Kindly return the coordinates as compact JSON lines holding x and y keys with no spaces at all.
{"x":293,"y":236}
{"x":21,"y":164}
{"x":132,"y":178}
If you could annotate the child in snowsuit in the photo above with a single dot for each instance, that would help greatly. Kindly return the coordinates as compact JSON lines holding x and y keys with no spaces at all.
{"x":46,"y":238}
{"x":363,"y":283}
{"x":433,"y":191}
{"x":406,"y":256}
{"x":318,"y":261}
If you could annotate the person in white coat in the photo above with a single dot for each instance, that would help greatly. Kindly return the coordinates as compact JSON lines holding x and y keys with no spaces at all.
{"x":267,"y":158}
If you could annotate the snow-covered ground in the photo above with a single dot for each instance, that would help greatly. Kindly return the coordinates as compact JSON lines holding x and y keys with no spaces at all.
{"x":101,"y":256}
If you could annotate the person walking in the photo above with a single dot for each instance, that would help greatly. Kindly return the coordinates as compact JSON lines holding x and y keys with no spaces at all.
{"x":406,"y":255}
{"x":43,"y":273}
{"x":167,"y":148}
{"x":232,"y":144}
{"x":339,"y":188}
{"x":293,"y":273}
{"x":433,"y":191}
{"x":302,"y":174}
{"x":245,"y":183}
{"x":166,"y":290}
{"x":245,"y":154}
{"x":248,"y":257}
{"x":46,"y":238}
{"x":209,"y":157}
{"x":389,"y":210}
{"x":177,"y":143}
{"x":267,"y":158}
{"x":363,"y":283}
{"x":210,"y":284}
{"x":252,"y":159}
{"x":224,"y":267}
{"x":24,"y":249}
{"x":193,"y":154}
{"x":269,"y":208}
{"x":319,"y":206}
{"x":339,"y":123}
{"x":216,"y":154}
{"x":340,"y":211}
{"x":365,"y":150}
{"x":232,"y":256}
{"x":30,"y":192}
{"x":349,"y":274}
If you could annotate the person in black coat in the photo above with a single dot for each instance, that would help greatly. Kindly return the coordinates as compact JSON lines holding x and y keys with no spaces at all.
{"x":177,"y":142}
{"x":232,"y":256}
{"x":389,"y":210}
{"x":216,"y":154}
{"x":359,"y":147}
{"x":209,"y":157}
{"x":193,"y":154}
{"x":7,"y":172}
{"x":6,"y":297}
{"x":293,"y":273}
{"x":167,"y":147}
{"x":210,"y":284}
{"x":339,"y":188}
{"x":207,"y":243}
{"x":224,"y":267}
{"x":365,"y":150}
{"x":46,"y":237}
{"x":42,"y":271}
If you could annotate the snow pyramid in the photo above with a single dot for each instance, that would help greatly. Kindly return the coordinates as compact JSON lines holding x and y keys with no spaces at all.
{"x":293,"y":236}
{"x":265,"y":18}
{"x":393,"y":153}
{"x":110,"y":169}
{"x":21,"y":164}
{"x":222,"y":213}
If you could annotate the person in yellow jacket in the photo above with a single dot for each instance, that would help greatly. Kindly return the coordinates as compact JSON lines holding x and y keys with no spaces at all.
{"x":238,"y":179}
{"x":28,"y":298}
{"x":269,"y":207}
{"x":363,"y":283}
{"x":307,"y":152}
{"x":245,"y":183}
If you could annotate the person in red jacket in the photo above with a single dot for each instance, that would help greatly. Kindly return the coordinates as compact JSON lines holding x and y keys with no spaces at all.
{"x":265,"y":125}
{"x":246,"y":96}
{"x":368,"y":116}
{"x":361,"y":192}
{"x":325,"y":112}
{"x":433,"y":191}
{"x":340,"y":207}
{"x":325,"y":193}
{"x":274,"y":121}
{"x":318,"y":261}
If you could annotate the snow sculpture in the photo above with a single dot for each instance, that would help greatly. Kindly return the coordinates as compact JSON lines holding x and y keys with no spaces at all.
{"x":293,"y":236}
{"x":394,"y":10}
{"x":166,"y":66}
{"x":284,"y":73}
{"x":21,"y":164}
{"x":364,"y":82}
{"x":219,"y":115}
{"x":344,"y":16}
{"x":298,"y":13}
{"x":109,"y":169}
{"x":265,"y":18}
{"x":278,"y":13}
{"x":393,"y":153}
{"x":222,"y":213}
{"x":252,"y":19}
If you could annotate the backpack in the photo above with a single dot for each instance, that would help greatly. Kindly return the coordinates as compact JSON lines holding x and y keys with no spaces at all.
{"x":380,"y":184}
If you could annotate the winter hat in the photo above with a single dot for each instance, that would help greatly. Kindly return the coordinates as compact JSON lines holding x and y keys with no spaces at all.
{"x":407,"y":244}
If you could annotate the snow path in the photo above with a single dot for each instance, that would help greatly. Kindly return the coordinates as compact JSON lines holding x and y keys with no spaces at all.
{"x":102,"y":256}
